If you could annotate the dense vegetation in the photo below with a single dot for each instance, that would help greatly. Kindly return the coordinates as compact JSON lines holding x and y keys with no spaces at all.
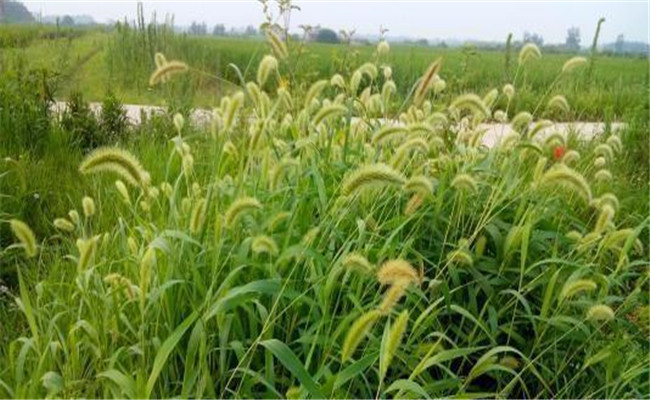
{"x":121,"y":60}
{"x":302,"y":246}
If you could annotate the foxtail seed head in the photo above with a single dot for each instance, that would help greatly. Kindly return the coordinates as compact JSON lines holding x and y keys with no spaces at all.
{"x":357,"y":262}
{"x":314,"y":91}
{"x":615,"y":143}
{"x":573,"y":63}
{"x":465,"y":182}
{"x":604,"y":150}
{"x":426,"y":81}
{"x":160,"y":59}
{"x":267,"y":66}
{"x":491,"y":97}
{"x":383,"y":47}
{"x":263,"y":244}
{"x":119,"y":161}
{"x":607,"y":198}
{"x":397,"y":271}
{"x":328,"y":112}
{"x":414,"y":203}
{"x":604,"y":218}
{"x":574,"y":236}
{"x":570,"y":289}
{"x":86,"y":249}
{"x":509,"y":90}
{"x":419,"y":184}
{"x":357,"y":332}
{"x":393,"y":341}
{"x":600,"y":312}
{"x":88,"y":206}
{"x":64,"y":225}
{"x":169,"y":68}
{"x":371,"y":175}
{"x":472,"y":103}
{"x":569,"y":178}
{"x":277,"y":45}
{"x":198,"y":216}
{"x":337,"y":80}
{"x":530,"y":51}
{"x":369,"y":69}
{"x":603,"y":175}
{"x":571,"y":157}
{"x":558,"y":102}
{"x":521,"y":121}
{"x":389,"y":132}
{"x":25,"y":236}
{"x":240,"y":207}
{"x":460,"y":257}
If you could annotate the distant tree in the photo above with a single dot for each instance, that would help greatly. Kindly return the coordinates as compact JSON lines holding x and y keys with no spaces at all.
{"x":573,"y":39}
{"x":67,"y":21}
{"x":250,"y":31}
{"x":219,"y":30}
{"x":619,"y":46}
{"x":533,"y":38}
{"x":325,"y":35}
{"x":198,"y":29}
{"x":14,"y":12}
{"x":422,"y":42}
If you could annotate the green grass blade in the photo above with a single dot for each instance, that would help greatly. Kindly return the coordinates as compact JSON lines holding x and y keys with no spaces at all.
{"x":283,"y":353}
{"x":166,"y":349}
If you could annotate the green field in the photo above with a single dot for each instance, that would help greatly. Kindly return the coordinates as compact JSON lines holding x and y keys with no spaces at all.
{"x":299,"y":248}
{"x":122,"y":60}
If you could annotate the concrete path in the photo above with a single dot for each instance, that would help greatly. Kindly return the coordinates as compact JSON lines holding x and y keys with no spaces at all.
{"x":494,"y":131}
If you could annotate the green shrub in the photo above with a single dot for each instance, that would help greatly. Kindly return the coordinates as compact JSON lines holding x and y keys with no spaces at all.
{"x":25,"y":101}
{"x":113,"y":122}
{"x":81,"y":122}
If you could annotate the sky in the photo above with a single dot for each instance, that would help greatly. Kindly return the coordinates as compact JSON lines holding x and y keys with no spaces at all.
{"x":430,"y":19}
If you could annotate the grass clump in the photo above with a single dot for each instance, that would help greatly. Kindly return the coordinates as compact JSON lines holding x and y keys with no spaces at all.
{"x":240,"y":267}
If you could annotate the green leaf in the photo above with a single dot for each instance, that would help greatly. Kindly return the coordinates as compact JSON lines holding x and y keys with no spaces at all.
{"x":488,"y":360}
{"x":166,"y":349}
{"x":548,"y":294}
{"x":353,"y":370}
{"x":284,"y":354}
{"x":441,"y":357}
{"x":125,"y":383}
{"x":26,"y":306}
{"x":241,"y":294}
{"x":404,"y":385}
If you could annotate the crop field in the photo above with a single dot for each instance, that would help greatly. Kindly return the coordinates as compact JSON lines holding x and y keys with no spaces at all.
{"x":120,"y":61}
{"x":337,"y":230}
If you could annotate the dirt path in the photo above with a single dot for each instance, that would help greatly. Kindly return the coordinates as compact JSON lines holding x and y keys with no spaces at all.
{"x":494,"y":131}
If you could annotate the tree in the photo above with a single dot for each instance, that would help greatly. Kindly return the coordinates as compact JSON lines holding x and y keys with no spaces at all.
{"x":326,"y":35}
{"x":219,"y":30}
{"x":619,"y":46}
{"x":13,"y":11}
{"x":573,"y":39}
{"x":198,"y":29}
{"x":67,"y":21}
{"x":533,"y":38}
{"x":250,"y":31}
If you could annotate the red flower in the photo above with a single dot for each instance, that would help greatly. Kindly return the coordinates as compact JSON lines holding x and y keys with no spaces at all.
{"x":558,"y":152}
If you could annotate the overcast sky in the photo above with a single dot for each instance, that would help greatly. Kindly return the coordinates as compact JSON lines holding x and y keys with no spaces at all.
{"x":485,"y":20}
